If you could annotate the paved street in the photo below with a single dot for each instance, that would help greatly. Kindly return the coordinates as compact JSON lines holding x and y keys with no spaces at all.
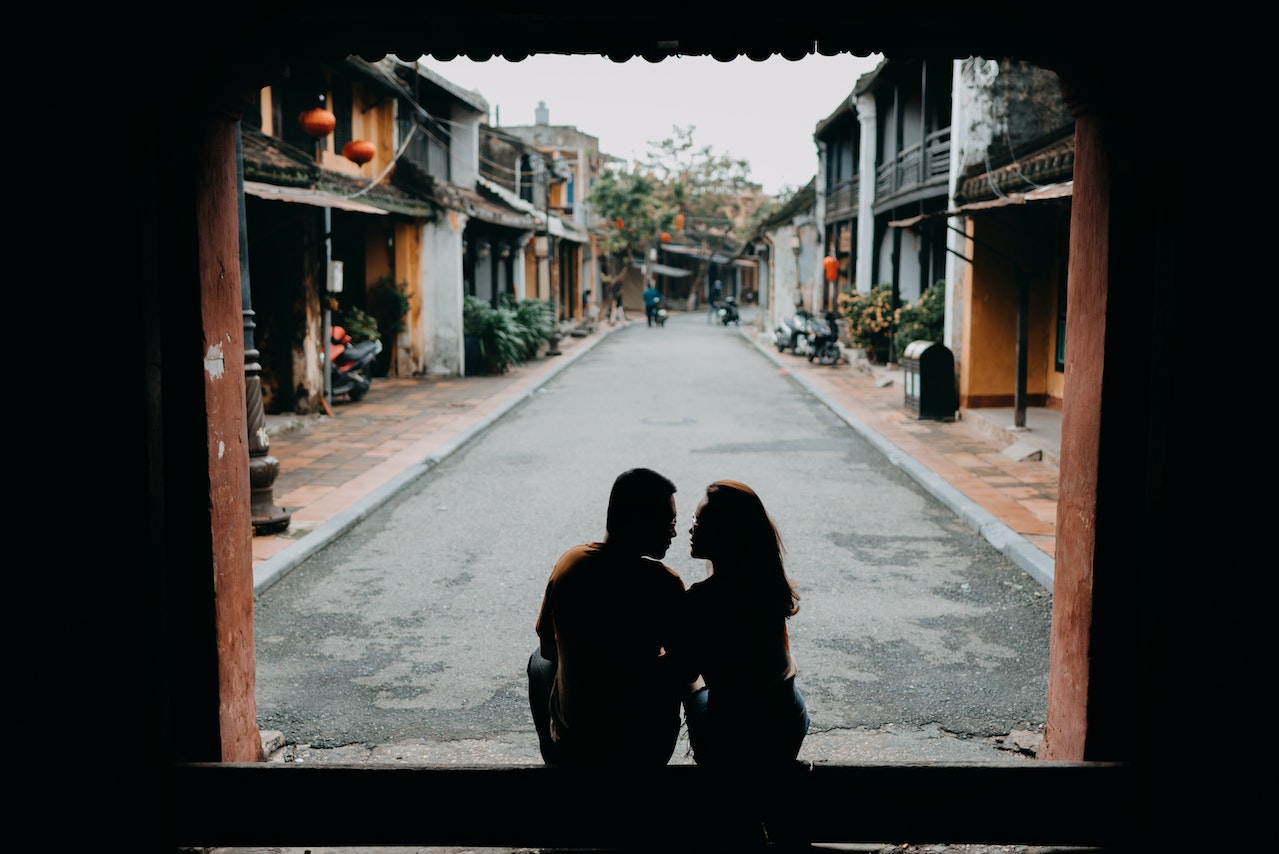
{"x":918,"y":639}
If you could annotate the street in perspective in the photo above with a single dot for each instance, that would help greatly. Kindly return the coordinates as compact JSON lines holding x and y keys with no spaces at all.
{"x":405,"y":640}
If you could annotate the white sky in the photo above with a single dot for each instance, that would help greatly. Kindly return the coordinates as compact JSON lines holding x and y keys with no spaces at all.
{"x":762,"y":112}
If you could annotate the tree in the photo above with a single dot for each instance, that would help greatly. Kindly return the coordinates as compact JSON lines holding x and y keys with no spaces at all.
{"x":677,"y":182}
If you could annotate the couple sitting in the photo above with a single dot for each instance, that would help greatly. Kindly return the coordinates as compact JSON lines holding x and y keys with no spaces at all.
{"x":623,"y":644}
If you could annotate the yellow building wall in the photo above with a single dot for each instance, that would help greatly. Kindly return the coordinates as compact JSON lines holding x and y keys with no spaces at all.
{"x":1003,"y":243}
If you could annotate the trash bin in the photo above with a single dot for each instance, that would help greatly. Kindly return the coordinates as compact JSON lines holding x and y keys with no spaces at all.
{"x":929,"y":377}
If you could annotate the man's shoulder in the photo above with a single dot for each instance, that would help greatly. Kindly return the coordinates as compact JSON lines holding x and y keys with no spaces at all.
{"x":580,"y":551}
{"x":662,"y":570}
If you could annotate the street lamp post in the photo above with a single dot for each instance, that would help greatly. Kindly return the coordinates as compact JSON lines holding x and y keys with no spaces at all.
{"x":263,"y":468}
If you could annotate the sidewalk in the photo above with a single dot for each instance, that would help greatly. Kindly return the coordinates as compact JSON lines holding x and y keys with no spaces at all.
{"x":334,"y":471}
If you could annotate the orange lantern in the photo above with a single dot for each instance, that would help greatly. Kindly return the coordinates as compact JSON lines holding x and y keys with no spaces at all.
{"x":831,"y":266}
{"x":618,"y":222}
{"x":679,"y":221}
{"x":318,"y":122}
{"x":359,"y":151}
{"x":666,"y":237}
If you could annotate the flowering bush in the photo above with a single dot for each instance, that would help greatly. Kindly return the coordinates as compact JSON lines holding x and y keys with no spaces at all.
{"x":922,"y":321}
{"x":871,"y":318}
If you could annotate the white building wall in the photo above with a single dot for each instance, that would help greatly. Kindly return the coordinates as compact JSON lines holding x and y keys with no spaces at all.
{"x":442,"y":290}
{"x":863,"y":276}
{"x":464,"y":148}
{"x":975,"y":122}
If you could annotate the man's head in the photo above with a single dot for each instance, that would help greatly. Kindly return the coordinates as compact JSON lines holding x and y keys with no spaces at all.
{"x":641,"y":512}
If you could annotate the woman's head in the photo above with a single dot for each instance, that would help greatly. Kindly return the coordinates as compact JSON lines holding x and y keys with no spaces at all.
{"x":733,"y":531}
{"x":730,"y":520}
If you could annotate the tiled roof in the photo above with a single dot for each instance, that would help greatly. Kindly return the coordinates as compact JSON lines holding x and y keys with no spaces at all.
{"x":1049,"y":165}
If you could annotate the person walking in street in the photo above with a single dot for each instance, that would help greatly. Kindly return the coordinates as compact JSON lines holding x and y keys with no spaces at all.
{"x":609,"y":673}
{"x":617,"y":315}
{"x":716,"y":293}
{"x":652,"y":299}
{"x":747,"y":711}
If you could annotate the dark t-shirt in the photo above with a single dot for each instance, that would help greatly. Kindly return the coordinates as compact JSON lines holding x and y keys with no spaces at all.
{"x":738,"y":652}
{"x":615,"y":624}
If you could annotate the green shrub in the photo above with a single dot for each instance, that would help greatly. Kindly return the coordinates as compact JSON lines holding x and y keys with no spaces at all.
{"x":389,"y":303}
{"x":359,"y":325}
{"x":536,"y":322}
{"x":922,"y":321}
{"x":497,"y":333}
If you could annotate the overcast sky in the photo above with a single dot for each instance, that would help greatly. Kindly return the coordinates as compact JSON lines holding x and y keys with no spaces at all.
{"x":761,"y":112}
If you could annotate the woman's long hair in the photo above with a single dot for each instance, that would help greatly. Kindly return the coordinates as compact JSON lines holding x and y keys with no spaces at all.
{"x":751,"y":544}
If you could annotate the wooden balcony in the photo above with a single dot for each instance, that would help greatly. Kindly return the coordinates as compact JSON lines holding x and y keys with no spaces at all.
{"x":915,"y":167}
{"x":841,"y":200}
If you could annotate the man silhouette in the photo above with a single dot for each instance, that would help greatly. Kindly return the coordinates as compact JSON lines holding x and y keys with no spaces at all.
{"x":610,"y":672}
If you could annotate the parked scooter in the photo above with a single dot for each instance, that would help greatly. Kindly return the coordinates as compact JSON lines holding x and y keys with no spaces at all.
{"x":351,"y":364}
{"x":728,"y":311}
{"x":823,"y":339}
{"x":793,"y":333}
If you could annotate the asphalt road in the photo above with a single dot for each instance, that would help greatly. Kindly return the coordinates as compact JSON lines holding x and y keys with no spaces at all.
{"x":405,"y":640}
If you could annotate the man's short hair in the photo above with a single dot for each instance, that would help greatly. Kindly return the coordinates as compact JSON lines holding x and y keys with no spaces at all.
{"x":638,"y":498}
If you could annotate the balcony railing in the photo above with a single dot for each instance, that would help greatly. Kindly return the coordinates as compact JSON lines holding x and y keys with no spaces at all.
{"x":841,"y":200}
{"x":423,"y":151}
{"x":914,"y":166}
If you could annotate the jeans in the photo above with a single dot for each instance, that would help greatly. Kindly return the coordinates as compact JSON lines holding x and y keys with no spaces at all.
{"x":755,"y":731}
{"x":644,"y":734}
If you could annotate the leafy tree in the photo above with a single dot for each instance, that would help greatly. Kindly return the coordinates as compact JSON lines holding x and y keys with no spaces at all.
{"x":693,"y":194}
{"x":630,"y":201}
{"x":711,"y":190}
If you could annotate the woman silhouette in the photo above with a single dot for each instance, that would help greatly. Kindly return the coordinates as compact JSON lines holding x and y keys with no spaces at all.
{"x":749,"y":711}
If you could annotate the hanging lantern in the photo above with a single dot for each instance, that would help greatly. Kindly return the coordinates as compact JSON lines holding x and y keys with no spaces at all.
{"x":359,"y":151}
{"x":679,"y":221}
{"x":831,"y":265}
{"x":666,"y":237}
{"x":318,"y":122}
{"x":618,"y":222}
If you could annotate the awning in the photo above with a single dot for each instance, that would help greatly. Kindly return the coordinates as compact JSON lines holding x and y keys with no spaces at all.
{"x":557,"y":227}
{"x":673,"y":272}
{"x":307,"y":196}
{"x":686,"y":250}
{"x":1039,"y":194}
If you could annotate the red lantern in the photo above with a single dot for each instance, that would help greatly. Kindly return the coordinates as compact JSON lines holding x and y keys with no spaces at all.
{"x":831,"y":265}
{"x":618,"y":222}
{"x":666,"y":237}
{"x":318,"y":122}
{"x":359,"y":151}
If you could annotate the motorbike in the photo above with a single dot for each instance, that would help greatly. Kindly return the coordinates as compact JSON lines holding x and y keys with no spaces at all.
{"x":823,"y":339}
{"x":793,"y":333}
{"x":351,"y":364}
{"x":728,"y":311}
{"x":658,"y":312}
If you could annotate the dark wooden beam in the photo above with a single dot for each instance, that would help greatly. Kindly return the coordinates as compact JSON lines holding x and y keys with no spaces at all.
{"x":1084,"y":804}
